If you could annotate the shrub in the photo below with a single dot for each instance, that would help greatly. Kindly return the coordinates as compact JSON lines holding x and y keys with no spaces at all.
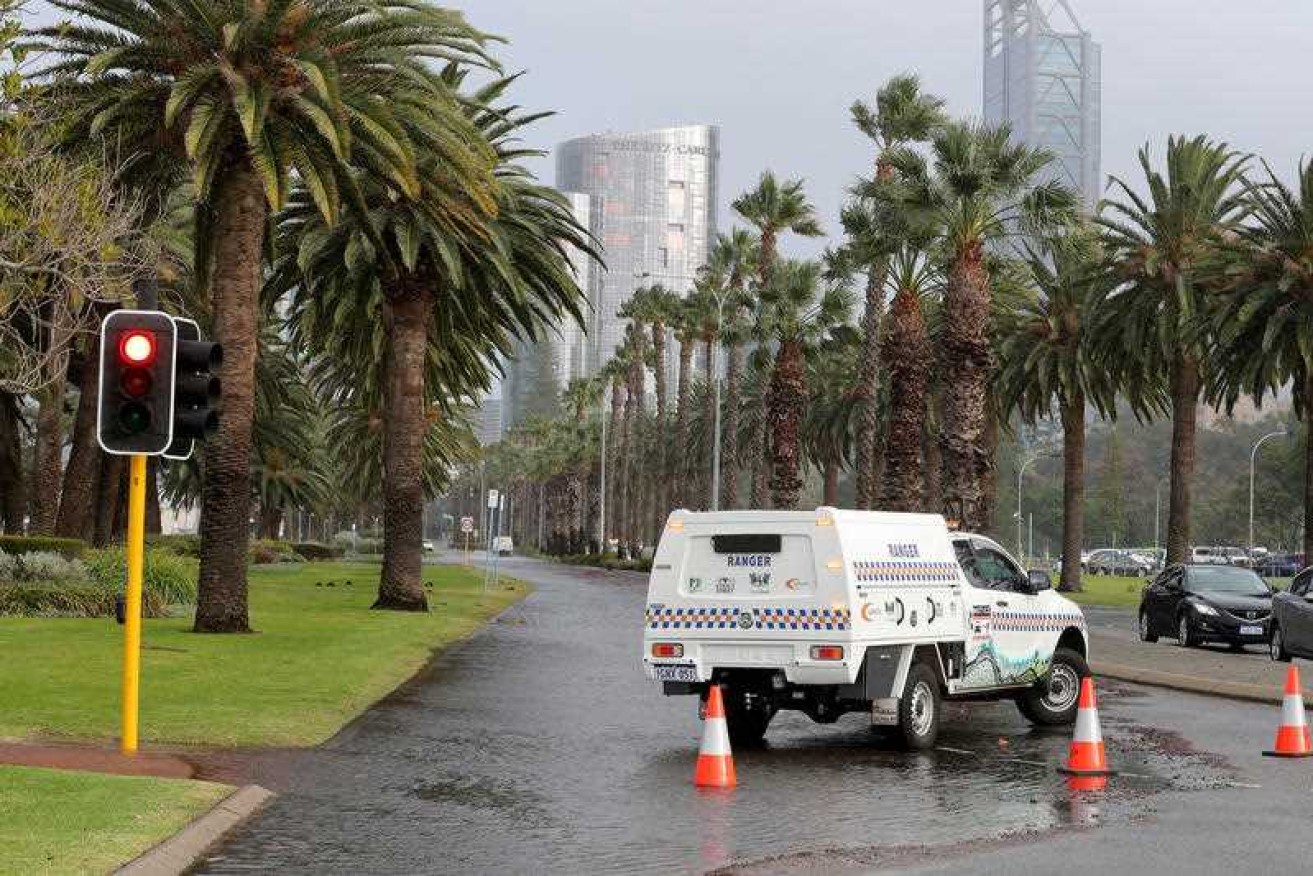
{"x":169,"y":578}
{"x":69,"y":599}
{"x":313,"y":551}
{"x":70,"y":548}
{"x":265,"y":551}
{"x":369,"y":545}
{"x":183,"y":545}
{"x":47,"y":567}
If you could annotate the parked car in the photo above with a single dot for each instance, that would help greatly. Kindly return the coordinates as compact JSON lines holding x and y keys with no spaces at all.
{"x":1155,"y":557}
{"x":1115,"y":562}
{"x":1280,"y":565}
{"x":1205,"y":602}
{"x":1292,"y":620}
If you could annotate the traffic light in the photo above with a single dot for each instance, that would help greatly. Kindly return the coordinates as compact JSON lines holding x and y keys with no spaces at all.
{"x":196,"y":389}
{"x":136,"y":382}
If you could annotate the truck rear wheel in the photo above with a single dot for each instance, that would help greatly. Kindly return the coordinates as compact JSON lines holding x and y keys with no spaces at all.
{"x":1054,"y":700}
{"x":918,"y":709}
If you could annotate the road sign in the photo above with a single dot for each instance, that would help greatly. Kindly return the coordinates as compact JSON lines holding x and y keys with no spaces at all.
{"x":492,"y":498}
{"x":467,"y":524}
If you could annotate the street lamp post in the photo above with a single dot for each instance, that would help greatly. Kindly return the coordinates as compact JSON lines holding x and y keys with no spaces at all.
{"x":1253,"y":457}
{"x":1157,"y":510}
{"x":601,"y":501}
{"x":1021,"y":547}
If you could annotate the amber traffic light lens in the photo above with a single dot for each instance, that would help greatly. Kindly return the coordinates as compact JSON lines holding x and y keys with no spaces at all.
{"x":137,"y":382}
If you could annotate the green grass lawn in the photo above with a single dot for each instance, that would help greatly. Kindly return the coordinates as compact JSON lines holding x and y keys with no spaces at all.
{"x":59,"y":821}
{"x":319,"y":659}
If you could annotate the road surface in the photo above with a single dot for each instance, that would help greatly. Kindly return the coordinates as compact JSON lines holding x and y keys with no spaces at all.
{"x":538,"y":747}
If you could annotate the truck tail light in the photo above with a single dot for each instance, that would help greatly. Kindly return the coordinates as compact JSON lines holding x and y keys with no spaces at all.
{"x":827,"y":652}
{"x":667,"y":650}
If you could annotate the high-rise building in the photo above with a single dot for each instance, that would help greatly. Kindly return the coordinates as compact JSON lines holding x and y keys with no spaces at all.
{"x":488,"y":426}
{"x":1042,"y":75}
{"x":653,"y":210}
{"x":539,"y":370}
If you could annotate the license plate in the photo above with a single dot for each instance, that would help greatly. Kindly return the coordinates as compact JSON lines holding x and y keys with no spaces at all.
{"x":884,"y":713}
{"x":1251,"y":631}
{"x":675,"y":673}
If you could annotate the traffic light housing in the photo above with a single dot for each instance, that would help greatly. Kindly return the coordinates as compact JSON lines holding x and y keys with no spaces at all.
{"x":196,"y":389}
{"x":135,"y":414}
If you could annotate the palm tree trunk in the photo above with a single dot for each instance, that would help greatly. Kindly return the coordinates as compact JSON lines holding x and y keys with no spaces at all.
{"x":788,"y":397}
{"x":241,"y":212}
{"x":109,"y":496}
{"x":615,"y":452}
{"x":758,"y":454}
{"x":868,"y":376}
{"x":682,"y":456}
{"x":831,"y":497}
{"x":661,"y":495}
{"x":965,"y":354}
{"x":271,"y":519}
{"x":47,"y":467}
{"x":709,"y":362}
{"x":906,"y":354}
{"x":1185,"y":408}
{"x":729,"y":462}
{"x":77,"y":497}
{"x":934,"y":460}
{"x":989,"y":478}
{"x":1308,"y":470}
{"x":406,"y":315}
{"x":12,"y":499}
{"x":1073,"y":490}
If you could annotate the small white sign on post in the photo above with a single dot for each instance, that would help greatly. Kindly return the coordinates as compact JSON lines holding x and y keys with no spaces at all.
{"x":492,"y":499}
{"x":467,"y":524}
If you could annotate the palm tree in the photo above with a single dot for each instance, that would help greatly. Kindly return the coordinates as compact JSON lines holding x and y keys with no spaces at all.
{"x":1160,"y":246}
{"x":656,"y":307}
{"x":903,"y":114}
{"x":772,"y":208}
{"x":983,"y":187}
{"x":245,"y":94}
{"x":1265,"y":322}
{"x":733,"y":259}
{"x":796,"y":314}
{"x":831,"y":417}
{"x":449,"y":285}
{"x":1050,"y":360}
{"x":688,"y":329}
{"x":615,"y":371}
{"x":906,"y":354}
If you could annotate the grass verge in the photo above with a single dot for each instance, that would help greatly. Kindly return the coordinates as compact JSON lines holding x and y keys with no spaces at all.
{"x":319,"y":659}
{"x":59,"y":821}
{"x":1115,"y":590}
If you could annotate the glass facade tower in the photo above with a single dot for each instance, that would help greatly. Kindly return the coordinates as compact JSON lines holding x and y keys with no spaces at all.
{"x":1042,"y":76}
{"x":540,"y":370}
{"x":653,"y":210}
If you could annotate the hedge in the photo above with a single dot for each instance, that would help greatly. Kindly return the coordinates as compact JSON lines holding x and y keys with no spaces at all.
{"x":313,"y":551}
{"x":69,"y":548}
{"x":170,"y":577}
{"x":184,"y":545}
{"x":69,"y":599}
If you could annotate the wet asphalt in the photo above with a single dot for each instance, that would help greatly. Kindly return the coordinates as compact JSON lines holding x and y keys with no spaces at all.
{"x":539,"y":747}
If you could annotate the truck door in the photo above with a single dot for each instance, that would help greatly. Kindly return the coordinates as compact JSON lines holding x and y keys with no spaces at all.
{"x":1007,"y":644}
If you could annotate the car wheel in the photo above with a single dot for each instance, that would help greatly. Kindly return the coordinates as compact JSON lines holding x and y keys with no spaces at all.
{"x":1146,"y":629}
{"x":1276,"y":646}
{"x":918,"y":709}
{"x":1184,"y":633}
{"x":1054,"y":701}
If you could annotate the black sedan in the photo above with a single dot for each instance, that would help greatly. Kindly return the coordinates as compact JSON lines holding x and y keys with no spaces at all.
{"x":1196,"y":603}
{"x":1292,"y":619}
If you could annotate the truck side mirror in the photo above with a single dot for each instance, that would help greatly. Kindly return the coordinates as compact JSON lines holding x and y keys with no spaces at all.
{"x":1039,"y":580}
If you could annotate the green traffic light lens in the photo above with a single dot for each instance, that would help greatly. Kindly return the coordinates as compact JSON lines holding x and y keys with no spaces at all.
{"x":134,"y":418}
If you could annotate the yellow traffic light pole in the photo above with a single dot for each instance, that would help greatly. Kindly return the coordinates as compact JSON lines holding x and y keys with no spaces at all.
{"x":136,"y":550}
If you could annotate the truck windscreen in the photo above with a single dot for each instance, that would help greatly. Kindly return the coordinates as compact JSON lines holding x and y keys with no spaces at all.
{"x":746,"y":544}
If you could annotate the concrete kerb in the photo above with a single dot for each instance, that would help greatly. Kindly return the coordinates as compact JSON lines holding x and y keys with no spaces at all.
{"x":1236,"y":690}
{"x":181,"y":852}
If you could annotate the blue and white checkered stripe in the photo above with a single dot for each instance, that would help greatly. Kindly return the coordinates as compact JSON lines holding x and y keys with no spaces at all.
{"x":767,"y":618}
{"x":1027,"y":622}
{"x":905,"y":571}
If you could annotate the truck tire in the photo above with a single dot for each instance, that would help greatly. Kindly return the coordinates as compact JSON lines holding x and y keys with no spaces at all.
{"x":919,"y":709}
{"x":1054,"y":700}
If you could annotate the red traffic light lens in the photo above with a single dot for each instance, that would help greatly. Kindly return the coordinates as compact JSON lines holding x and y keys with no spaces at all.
{"x":137,"y":348}
{"x":136,"y":382}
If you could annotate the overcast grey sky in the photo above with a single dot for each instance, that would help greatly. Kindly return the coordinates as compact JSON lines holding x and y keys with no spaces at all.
{"x":778,"y":77}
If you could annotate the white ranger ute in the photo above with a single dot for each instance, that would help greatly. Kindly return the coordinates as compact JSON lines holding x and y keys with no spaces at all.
{"x":835,"y":611}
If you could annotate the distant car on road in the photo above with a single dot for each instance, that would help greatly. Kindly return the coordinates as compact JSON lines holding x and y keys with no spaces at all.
{"x":1205,"y":602}
{"x":1292,"y":620}
{"x":428,"y":546}
{"x":504,"y":546}
{"x":1114,"y":562}
{"x":1280,"y":565}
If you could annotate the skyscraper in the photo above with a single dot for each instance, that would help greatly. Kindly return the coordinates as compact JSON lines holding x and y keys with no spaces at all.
{"x":539,"y":370}
{"x":653,"y":210}
{"x":1042,"y":75}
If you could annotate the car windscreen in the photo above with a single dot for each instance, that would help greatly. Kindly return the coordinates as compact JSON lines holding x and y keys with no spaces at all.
{"x":1226,"y":579}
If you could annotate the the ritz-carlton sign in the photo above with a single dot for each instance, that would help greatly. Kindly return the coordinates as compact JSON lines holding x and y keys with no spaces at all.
{"x":656,"y":147}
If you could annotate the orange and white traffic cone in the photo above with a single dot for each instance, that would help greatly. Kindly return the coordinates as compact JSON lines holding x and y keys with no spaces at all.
{"x":715,"y":767}
{"x":1086,"y":756}
{"x":1292,"y":735}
